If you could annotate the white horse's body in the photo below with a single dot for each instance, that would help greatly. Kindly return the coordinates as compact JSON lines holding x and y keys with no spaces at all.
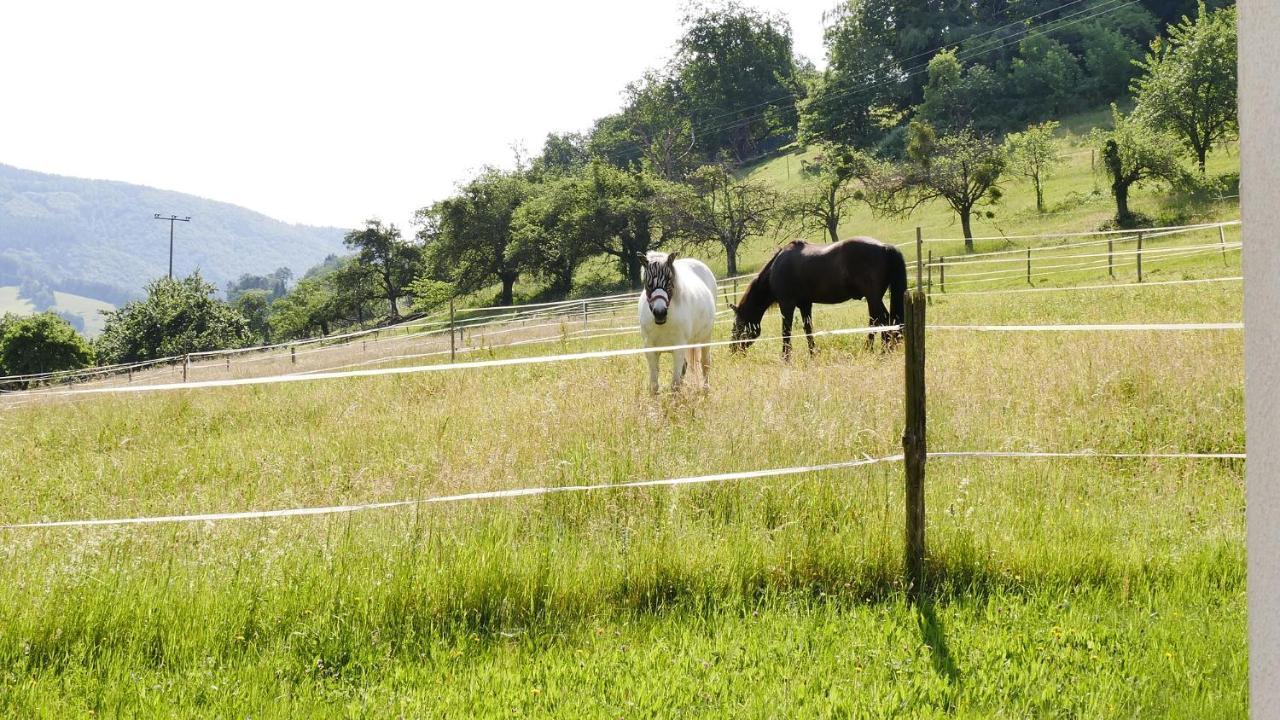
{"x":689,"y":317}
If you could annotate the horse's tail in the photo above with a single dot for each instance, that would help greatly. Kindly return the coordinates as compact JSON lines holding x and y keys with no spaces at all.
{"x":897,"y":284}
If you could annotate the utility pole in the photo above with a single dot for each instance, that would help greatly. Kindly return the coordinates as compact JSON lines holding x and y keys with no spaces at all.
{"x":172,"y":219}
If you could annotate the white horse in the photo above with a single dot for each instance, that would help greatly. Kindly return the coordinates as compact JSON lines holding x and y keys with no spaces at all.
{"x":677,"y":307}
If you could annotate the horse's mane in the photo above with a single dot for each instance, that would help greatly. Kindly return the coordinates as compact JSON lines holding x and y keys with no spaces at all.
{"x":759,"y":296}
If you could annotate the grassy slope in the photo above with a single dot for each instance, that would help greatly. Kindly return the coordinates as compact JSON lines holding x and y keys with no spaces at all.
{"x":1065,"y":588}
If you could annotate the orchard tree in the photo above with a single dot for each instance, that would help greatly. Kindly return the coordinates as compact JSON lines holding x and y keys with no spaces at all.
{"x":178,"y":316}
{"x":963,"y":169}
{"x":831,"y":185}
{"x":468,"y":237}
{"x":1188,"y":82}
{"x":718,"y":209}
{"x":1034,"y":154}
{"x":255,"y":306}
{"x":388,"y":257}
{"x":1133,"y":152}
{"x":42,"y":343}
{"x":553,"y":229}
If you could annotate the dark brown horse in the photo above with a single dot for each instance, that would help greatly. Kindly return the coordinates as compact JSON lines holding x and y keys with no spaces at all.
{"x":801,"y":274}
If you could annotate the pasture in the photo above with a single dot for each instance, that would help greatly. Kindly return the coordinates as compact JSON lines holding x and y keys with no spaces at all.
{"x":1081,"y":587}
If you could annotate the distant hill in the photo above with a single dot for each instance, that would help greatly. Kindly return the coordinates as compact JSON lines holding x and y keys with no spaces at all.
{"x":97,"y":239}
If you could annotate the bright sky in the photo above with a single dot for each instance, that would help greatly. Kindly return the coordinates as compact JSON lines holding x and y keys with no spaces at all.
{"x":323,"y":113}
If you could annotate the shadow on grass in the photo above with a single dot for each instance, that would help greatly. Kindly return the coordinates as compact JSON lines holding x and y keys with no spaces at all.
{"x":933,"y":634}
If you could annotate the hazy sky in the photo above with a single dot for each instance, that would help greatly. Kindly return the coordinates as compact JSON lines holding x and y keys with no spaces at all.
{"x":320,"y":112}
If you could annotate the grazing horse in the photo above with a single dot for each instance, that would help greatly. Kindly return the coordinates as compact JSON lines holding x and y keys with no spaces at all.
{"x":801,"y":274}
{"x":677,"y":307}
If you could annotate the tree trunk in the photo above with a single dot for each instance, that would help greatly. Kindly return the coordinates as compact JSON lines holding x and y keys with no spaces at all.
{"x":1201,"y":152}
{"x":731,"y":256}
{"x":1039,"y":196}
{"x":832,"y":228}
{"x":508,"y":281}
{"x":631,"y":267}
{"x":968,"y":230}
{"x":1120,"y":189}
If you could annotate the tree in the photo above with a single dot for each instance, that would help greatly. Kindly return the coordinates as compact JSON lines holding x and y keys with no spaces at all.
{"x":255,"y":307}
{"x":388,"y":257}
{"x":42,"y":343}
{"x":718,"y":209}
{"x":1033,"y":154}
{"x":1188,"y":83}
{"x":178,"y":316}
{"x":956,"y":97}
{"x":1046,"y":75}
{"x":1108,"y":60}
{"x":823,"y":201}
{"x":468,"y":236}
{"x":306,"y":311}
{"x":736,"y":72}
{"x":1133,"y":152}
{"x":276,"y":284}
{"x":963,"y":169}
{"x":552,"y":230}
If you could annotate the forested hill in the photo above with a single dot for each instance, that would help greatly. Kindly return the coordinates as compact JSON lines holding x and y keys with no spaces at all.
{"x":98,"y":238}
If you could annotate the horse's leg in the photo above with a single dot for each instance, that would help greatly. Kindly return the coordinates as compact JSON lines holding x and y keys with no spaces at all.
{"x":678,"y":361}
{"x":788,"y":315}
{"x":879,"y":316}
{"x":806,"y":315}
{"x":652,"y":357}
{"x":704,"y":354}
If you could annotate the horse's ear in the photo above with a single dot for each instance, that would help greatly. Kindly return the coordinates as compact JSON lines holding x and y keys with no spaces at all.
{"x":671,"y":258}
{"x":733,"y":307}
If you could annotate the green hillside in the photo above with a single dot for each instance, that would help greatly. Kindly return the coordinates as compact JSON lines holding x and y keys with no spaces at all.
{"x":98,"y":239}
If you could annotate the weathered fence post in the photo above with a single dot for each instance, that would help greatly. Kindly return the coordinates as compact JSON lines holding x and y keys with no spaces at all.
{"x":1029,"y":267}
{"x":130,"y":373}
{"x":1222,"y":240}
{"x":942,"y":273}
{"x":584,"y":314}
{"x":928,"y":288}
{"x":293,"y":355}
{"x":914,"y":448}
{"x":453,"y":347}
{"x":1111,"y":267}
{"x":186,"y":363}
{"x":1139,"y":257}
{"x":919,"y":260}
{"x":364,"y":346}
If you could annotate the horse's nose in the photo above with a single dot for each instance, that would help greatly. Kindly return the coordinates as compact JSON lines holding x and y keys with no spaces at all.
{"x":660,"y":315}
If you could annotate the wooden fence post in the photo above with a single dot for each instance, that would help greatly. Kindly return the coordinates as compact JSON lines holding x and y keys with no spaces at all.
{"x":914,"y":447}
{"x":293,"y":355}
{"x":942,"y":273}
{"x":228,"y":363}
{"x":453,"y":347}
{"x":1139,"y":257}
{"x":1111,"y":267}
{"x":130,"y":373}
{"x":1029,"y":267}
{"x":919,"y":260}
{"x":928,"y":288}
{"x":1222,"y":240}
{"x":584,"y":314}
{"x":186,"y":362}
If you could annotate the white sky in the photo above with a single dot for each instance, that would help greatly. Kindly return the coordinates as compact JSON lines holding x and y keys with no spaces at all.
{"x":322,"y":113}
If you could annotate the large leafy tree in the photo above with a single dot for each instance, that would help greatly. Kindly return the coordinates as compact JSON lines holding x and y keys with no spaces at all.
{"x":1188,"y":82}
{"x":737,"y":75}
{"x":1034,"y":154}
{"x":309,"y":309}
{"x":956,"y":97}
{"x":1133,"y":152}
{"x":255,"y":306}
{"x":720,"y":210}
{"x":1046,"y":74}
{"x":552,"y":230}
{"x":468,"y":237}
{"x":388,"y":257}
{"x":275,"y":283}
{"x":42,"y":343}
{"x":177,"y":316}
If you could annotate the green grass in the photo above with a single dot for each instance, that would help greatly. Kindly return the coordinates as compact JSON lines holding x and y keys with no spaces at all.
{"x":1059,"y":588}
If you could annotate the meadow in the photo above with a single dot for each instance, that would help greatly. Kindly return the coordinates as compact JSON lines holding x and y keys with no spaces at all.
{"x":1081,"y":587}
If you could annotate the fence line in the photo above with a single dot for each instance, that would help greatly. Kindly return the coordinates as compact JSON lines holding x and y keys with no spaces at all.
{"x":1158,"y":283}
{"x":1092,"y":233}
{"x":554,"y":489}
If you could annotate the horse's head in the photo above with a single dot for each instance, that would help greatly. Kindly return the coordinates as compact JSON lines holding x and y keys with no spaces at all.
{"x":659,"y":284}
{"x":745,"y":330}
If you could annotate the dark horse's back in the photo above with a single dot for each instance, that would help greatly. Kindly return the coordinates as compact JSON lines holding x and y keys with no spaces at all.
{"x":852,"y":269}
